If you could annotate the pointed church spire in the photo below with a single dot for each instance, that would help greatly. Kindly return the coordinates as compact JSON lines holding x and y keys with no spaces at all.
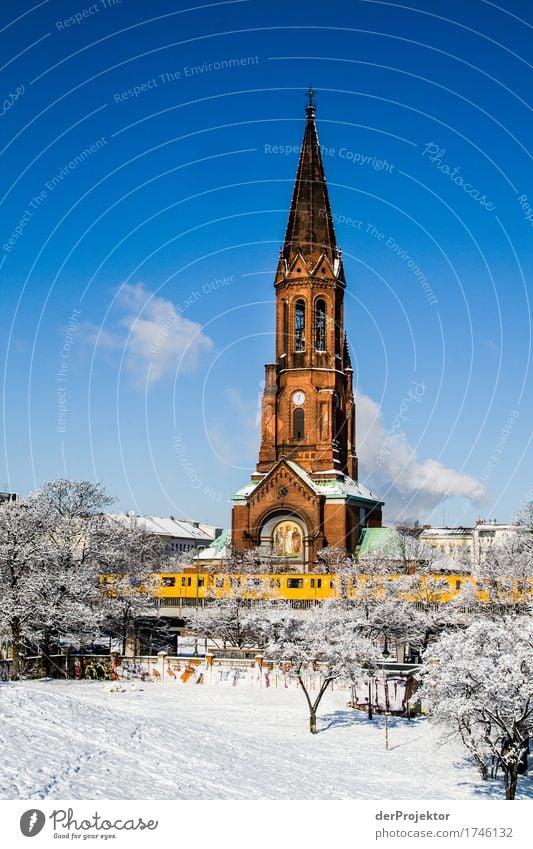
{"x":346,"y":355}
{"x":310,"y":225}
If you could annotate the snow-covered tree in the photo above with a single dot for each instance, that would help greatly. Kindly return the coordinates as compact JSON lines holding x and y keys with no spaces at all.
{"x":524,"y":515}
{"x":478,"y":682}
{"x":247,"y":562}
{"x":323,"y":644}
{"x":23,"y":549}
{"x":55,"y":548}
{"x":129,"y":558}
{"x":384,"y":607}
{"x":403,"y":552}
{"x":334,"y":560}
{"x":232,"y":617}
{"x":504,"y":573}
{"x":71,"y":500}
{"x":76,"y":533}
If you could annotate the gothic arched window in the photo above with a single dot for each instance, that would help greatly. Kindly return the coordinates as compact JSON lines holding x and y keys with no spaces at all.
{"x":320,"y":325}
{"x":299,"y":326}
{"x":298,"y":421}
{"x":285,"y":327}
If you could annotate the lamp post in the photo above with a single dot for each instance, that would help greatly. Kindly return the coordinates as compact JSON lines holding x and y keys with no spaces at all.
{"x":370,"y":693}
{"x":386,"y":654}
{"x":199,"y":549}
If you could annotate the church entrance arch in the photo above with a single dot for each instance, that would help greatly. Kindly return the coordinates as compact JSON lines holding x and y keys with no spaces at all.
{"x":284,"y":540}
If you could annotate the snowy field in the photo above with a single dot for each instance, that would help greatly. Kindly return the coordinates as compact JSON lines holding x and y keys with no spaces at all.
{"x":81,"y":740}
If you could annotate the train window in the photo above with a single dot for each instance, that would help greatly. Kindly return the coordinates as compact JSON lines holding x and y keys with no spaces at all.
{"x":168,"y":582}
{"x":316,"y":583}
{"x":332,"y":585}
{"x":458,"y":585}
{"x":220,"y":583}
{"x":183,"y":581}
{"x":201,"y":582}
{"x":295,"y":583}
{"x":254,"y":582}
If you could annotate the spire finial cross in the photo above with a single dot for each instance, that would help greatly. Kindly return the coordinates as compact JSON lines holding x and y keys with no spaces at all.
{"x":311,"y":97}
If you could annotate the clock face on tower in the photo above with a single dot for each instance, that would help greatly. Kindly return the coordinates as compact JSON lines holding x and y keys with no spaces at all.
{"x":298,"y":398}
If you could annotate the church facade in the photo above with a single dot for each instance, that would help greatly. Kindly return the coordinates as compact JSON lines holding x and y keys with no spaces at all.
{"x":305,"y":495}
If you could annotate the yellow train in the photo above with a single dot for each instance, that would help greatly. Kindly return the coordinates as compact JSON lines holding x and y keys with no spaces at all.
{"x":192,"y":587}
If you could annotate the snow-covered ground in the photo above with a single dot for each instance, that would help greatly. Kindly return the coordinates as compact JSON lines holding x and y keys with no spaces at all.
{"x":82,"y":740}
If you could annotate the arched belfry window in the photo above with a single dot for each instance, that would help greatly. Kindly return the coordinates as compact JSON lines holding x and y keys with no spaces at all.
{"x":284,"y":327}
{"x":320,"y":325}
{"x":299,"y":326}
{"x":298,"y":423}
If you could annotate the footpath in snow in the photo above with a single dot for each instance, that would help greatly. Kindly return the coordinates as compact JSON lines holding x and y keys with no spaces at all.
{"x":90,"y":740}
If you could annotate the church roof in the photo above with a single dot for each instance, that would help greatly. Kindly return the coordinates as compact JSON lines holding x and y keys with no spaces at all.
{"x":339,"y":487}
{"x":310,"y":225}
{"x":344,"y":487}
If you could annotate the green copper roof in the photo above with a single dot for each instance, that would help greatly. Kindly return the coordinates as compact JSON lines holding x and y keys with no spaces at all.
{"x":376,"y":539}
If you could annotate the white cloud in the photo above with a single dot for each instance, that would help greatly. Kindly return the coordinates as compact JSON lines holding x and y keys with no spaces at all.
{"x":408,"y":486}
{"x":159,"y":340}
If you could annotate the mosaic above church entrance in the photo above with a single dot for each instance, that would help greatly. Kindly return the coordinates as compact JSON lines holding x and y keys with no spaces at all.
{"x":287,"y":539}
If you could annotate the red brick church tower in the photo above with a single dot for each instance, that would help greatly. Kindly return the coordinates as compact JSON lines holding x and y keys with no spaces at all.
{"x":304,"y":495}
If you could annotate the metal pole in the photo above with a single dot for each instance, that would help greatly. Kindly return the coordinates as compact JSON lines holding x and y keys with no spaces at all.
{"x":386,"y":654}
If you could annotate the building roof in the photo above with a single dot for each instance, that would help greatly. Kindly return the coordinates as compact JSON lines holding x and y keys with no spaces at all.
{"x":167,"y":526}
{"x":375,"y":540}
{"x":444,"y":532}
{"x":7,"y":496}
{"x":479,"y":527}
{"x":219,"y":548}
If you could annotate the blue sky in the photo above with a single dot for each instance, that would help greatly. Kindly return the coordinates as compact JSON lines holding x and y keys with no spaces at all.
{"x":148,"y":161}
